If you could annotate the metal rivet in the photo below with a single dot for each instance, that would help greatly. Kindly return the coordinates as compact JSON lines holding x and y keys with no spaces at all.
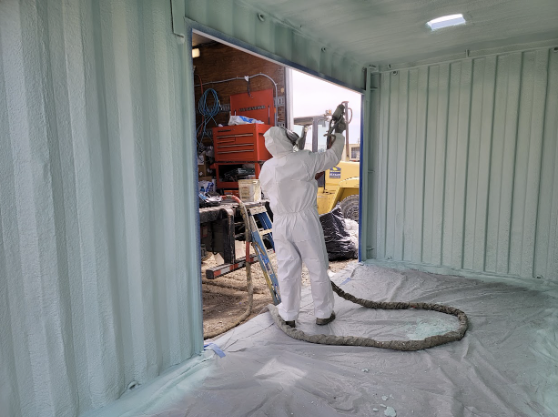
{"x":555,"y":49}
{"x":395,"y":72}
{"x":261,"y":17}
{"x":323,"y":49}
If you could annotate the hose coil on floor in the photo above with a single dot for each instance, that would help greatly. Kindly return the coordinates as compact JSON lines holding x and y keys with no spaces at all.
{"x":404,"y":345}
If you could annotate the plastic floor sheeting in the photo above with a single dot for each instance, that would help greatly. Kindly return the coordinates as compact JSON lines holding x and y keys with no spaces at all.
{"x":506,"y":365}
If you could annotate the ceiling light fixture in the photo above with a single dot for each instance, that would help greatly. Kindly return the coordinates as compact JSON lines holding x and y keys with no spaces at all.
{"x":445,"y":21}
{"x":195,"y":52}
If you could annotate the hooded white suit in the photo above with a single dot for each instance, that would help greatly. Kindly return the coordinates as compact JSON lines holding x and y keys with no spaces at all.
{"x":287,"y":180}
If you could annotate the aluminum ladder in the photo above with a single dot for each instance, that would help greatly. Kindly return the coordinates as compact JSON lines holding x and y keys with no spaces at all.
{"x":257,"y":236}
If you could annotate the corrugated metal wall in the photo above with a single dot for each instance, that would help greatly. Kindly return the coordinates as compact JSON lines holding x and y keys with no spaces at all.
{"x":272,"y":38}
{"x":99,"y":263}
{"x":465,"y":166}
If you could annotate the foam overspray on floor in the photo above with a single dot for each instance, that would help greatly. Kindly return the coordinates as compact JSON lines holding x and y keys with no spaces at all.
{"x":506,"y":365}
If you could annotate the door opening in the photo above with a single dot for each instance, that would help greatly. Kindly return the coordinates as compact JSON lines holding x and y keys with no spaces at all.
{"x":238,"y":97}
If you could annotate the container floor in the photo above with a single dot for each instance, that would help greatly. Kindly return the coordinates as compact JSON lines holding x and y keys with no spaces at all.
{"x":506,"y":365}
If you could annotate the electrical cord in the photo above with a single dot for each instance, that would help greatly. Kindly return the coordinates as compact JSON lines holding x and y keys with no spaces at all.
{"x":208,"y":113}
{"x":198,"y":129}
{"x":247,"y":79}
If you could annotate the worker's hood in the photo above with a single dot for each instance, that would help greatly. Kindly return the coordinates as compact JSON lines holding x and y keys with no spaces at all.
{"x":277,"y":142}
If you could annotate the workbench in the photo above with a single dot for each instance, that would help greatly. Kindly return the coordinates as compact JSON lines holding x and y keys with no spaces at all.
{"x":220,"y":227}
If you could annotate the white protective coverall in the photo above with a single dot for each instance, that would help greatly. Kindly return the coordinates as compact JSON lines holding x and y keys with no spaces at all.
{"x":287,"y":180}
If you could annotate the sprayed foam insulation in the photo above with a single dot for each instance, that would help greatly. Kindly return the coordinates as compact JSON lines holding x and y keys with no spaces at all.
{"x":99,"y":262}
{"x":462,"y":167}
{"x":99,"y":268}
{"x":238,"y":23}
{"x":382,"y":33}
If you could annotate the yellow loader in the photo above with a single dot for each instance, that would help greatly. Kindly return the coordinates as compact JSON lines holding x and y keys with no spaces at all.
{"x":339,"y":185}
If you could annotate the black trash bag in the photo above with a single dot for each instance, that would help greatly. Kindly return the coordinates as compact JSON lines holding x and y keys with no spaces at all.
{"x":338,"y":241}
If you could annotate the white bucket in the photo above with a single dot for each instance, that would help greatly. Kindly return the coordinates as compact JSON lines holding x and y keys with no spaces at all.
{"x":249,"y":191}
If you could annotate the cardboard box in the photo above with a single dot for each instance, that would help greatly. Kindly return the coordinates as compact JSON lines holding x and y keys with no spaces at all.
{"x":250,"y":191}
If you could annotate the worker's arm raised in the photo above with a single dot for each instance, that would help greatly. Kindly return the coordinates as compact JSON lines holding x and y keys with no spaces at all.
{"x":331,"y":157}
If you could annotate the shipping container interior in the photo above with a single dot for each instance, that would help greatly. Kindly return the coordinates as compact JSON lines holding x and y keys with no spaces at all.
{"x":109,"y":126}
{"x":435,"y":162}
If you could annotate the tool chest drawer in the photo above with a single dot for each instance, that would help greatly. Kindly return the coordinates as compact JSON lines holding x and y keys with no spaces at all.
{"x":240,"y":143}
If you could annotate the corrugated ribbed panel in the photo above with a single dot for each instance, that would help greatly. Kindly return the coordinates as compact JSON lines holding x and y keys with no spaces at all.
{"x":466,"y":170}
{"x":99,"y":264}
{"x":274,"y":39}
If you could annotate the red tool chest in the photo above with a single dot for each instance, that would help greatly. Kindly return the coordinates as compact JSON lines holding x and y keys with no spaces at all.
{"x":241,"y":143}
{"x":239,"y":151}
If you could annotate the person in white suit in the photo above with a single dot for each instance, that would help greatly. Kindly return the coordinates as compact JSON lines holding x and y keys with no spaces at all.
{"x":288,"y":180}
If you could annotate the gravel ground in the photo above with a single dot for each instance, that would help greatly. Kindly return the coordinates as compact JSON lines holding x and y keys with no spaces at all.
{"x":224,"y":298}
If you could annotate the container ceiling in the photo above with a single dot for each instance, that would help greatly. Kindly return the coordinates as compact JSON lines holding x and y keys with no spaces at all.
{"x":381,"y":32}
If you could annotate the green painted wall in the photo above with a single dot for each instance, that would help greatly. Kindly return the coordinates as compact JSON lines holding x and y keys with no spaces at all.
{"x":99,"y":263}
{"x":463,"y":166}
{"x":236,"y":22}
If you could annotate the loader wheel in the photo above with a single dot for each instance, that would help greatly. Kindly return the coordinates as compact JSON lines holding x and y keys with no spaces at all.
{"x":350,"y":207}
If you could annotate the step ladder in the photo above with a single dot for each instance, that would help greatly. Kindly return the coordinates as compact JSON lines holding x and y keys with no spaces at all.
{"x":260,"y":214}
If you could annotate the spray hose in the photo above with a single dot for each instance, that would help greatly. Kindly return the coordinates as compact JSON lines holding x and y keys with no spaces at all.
{"x":405,"y":345}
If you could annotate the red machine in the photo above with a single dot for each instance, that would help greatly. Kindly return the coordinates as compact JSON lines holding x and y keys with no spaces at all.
{"x":240,"y":150}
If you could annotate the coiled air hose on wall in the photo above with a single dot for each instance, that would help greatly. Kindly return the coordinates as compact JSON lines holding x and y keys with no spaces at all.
{"x":207,"y":112}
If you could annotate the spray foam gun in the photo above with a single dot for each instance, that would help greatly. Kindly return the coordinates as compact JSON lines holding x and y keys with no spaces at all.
{"x":337,"y":124}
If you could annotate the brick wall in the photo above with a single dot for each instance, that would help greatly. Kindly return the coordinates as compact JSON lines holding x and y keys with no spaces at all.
{"x":220,"y":62}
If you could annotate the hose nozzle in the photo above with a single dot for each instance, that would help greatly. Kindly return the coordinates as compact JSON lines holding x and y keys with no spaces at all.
{"x":337,"y":122}
{"x":338,"y":113}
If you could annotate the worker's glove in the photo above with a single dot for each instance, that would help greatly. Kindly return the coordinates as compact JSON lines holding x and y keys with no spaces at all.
{"x":341,"y":125}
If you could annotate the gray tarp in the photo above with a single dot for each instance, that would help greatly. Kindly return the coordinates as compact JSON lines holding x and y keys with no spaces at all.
{"x":507,"y":364}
